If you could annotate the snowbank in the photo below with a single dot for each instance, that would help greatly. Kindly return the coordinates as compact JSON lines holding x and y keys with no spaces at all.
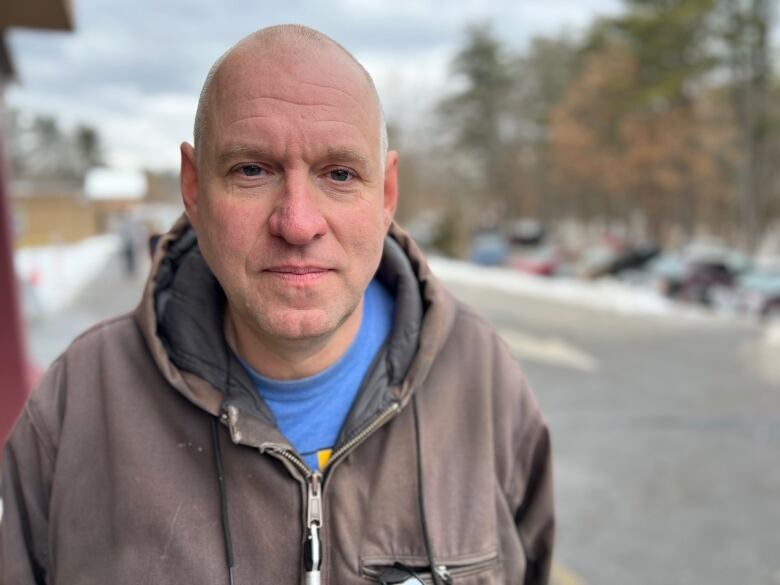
{"x":772,"y":333}
{"x":604,"y":295}
{"x":52,"y":276}
{"x":609,"y":295}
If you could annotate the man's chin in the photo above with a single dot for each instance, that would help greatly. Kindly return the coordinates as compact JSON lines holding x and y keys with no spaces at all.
{"x":299,"y":324}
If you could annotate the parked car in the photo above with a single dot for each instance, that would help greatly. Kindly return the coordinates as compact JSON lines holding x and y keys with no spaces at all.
{"x":596,"y":260}
{"x":771,"y":309}
{"x":527,"y":232}
{"x":692,"y":280}
{"x":757,"y":293}
{"x":633,"y":258}
{"x":614,"y":256}
{"x":541,"y":261}
{"x":489,"y":249}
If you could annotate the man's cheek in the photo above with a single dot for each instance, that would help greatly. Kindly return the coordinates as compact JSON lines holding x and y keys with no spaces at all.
{"x":231,"y":223}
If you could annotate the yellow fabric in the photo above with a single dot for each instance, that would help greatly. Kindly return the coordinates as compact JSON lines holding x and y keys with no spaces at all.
{"x":323,"y":457}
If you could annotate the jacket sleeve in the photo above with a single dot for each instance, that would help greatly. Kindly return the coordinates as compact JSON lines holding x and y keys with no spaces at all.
{"x":27,"y":468}
{"x":534,"y":516}
{"x":526,"y":468}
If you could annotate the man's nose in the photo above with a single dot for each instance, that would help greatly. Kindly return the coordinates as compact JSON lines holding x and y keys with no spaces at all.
{"x":297,"y":218}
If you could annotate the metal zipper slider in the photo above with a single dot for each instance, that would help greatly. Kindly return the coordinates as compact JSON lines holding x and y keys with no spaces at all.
{"x":444,"y":573}
{"x":312,"y":549}
{"x":230,"y":416}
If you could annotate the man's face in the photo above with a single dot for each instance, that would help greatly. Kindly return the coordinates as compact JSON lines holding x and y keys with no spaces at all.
{"x":287,"y":193}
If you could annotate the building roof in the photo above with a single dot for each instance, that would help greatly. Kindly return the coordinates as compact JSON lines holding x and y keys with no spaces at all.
{"x":47,"y":14}
{"x":113,"y":184}
{"x":42,"y":14}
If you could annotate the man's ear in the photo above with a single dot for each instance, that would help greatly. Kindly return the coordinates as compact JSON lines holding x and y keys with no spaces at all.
{"x":391,"y":186}
{"x":189,"y":182}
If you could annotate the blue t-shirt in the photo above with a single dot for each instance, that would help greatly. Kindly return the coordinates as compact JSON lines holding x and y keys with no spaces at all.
{"x":310,"y":412}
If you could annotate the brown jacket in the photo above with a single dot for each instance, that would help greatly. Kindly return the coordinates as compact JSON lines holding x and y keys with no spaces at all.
{"x":117,"y":473}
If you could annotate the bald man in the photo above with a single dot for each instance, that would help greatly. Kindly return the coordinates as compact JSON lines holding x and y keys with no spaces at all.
{"x":296,"y":399}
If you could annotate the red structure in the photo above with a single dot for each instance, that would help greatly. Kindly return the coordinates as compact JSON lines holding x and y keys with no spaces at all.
{"x":14,"y":379}
{"x":14,"y":368}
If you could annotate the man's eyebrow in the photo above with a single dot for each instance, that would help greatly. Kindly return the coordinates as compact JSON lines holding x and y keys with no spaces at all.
{"x":334,"y":155}
{"x":347,"y":155}
{"x":242,"y":151}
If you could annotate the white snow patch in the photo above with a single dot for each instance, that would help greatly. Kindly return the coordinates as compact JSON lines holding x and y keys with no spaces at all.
{"x":607,"y":295}
{"x":772,"y":333}
{"x":52,"y":276}
{"x":109,"y":184}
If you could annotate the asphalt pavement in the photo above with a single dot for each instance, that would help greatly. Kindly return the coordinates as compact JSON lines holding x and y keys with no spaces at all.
{"x":666,"y":433}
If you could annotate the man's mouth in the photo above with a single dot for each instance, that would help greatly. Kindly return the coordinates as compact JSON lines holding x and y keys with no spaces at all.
{"x":298,"y":273}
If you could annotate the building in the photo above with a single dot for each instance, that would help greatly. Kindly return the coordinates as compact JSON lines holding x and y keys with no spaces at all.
{"x":15,"y":372}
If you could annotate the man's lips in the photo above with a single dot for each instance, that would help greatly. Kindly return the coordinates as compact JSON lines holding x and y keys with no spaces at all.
{"x":298,"y":273}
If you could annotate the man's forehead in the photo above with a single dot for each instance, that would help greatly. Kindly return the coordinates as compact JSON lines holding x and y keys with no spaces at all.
{"x":297,"y":72}
{"x":269,"y":79}
{"x":274,"y":89}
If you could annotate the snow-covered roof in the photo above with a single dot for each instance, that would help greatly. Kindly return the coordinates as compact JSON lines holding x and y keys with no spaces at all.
{"x":113,"y":184}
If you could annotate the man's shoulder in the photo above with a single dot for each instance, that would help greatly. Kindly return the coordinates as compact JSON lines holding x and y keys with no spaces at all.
{"x":99,"y":352}
{"x":476,"y":332}
{"x":113,"y":329}
{"x":477,"y":355}
{"x":102,"y":348}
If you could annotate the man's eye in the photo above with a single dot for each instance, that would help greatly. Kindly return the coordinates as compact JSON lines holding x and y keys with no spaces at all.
{"x":250,"y":170}
{"x":340,"y":175}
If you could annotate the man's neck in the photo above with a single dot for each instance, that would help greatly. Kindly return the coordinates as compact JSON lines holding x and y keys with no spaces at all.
{"x":290,"y":359}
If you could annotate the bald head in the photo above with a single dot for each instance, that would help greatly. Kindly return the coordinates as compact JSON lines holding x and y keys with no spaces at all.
{"x":280,"y":40}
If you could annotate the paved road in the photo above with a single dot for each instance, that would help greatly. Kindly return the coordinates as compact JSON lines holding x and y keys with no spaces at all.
{"x":666,"y":438}
{"x":666,"y":434}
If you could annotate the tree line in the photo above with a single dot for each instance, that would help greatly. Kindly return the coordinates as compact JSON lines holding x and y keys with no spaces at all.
{"x":40,"y":149}
{"x":661,"y":123}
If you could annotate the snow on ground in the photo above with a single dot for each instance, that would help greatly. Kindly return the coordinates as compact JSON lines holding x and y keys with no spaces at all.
{"x":50,"y":277}
{"x":609,"y":295}
{"x":772,"y":333}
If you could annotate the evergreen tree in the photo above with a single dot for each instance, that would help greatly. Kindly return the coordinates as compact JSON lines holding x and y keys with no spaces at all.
{"x":475,"y":118}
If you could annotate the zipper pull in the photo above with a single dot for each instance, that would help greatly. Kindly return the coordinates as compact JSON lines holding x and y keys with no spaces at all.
{"x":230,"y":416}
{"x":312,"y":548}
{"x":444,"y":573}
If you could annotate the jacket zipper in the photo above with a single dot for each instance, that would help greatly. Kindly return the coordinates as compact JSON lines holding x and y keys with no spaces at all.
{"x":312,"y":552}
{"x":449,"y":573}
{"x":231,"y":418}
{"x":312,"y":548}
{"x":378,"y":421}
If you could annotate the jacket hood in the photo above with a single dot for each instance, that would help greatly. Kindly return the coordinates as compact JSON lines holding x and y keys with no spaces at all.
{"x":181,"y":319}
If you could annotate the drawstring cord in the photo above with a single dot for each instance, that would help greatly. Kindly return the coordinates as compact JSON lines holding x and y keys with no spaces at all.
{"x":223,"y":501}
{"x":421,"y":495}
{"x":223,"y":481}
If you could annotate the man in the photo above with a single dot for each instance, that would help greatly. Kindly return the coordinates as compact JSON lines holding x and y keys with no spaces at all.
{"x":296,"y":399}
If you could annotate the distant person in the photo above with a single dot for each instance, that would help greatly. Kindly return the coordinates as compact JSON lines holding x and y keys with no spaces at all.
{"x":130,"y":233}
{"x":297,"y":399}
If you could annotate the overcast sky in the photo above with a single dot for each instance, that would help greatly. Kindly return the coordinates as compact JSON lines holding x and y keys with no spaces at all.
{"x":134,"y":69}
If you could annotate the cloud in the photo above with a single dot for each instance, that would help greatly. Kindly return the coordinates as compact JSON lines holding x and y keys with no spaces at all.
{"x":134,"y":69}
